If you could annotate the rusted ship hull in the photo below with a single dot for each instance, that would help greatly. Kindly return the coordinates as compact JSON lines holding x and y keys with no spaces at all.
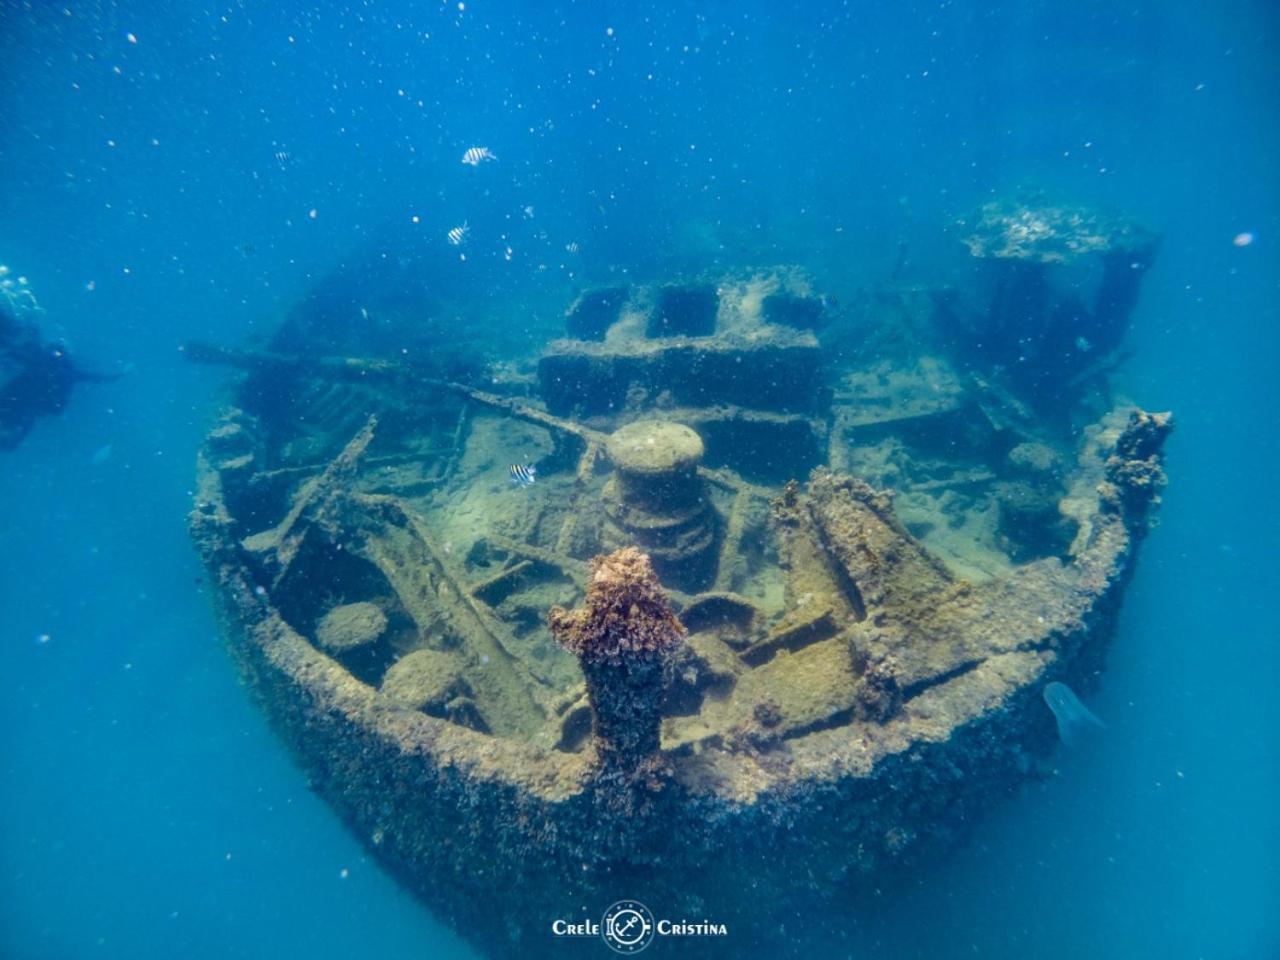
{"x":936,"y":685}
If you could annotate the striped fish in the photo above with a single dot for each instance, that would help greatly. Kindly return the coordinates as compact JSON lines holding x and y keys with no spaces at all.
{"x":477,"y":155}
{"x":458,"y":234}
{"x":523,"y":476}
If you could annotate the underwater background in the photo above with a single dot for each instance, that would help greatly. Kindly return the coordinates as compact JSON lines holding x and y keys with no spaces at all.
{"x":172,"y":172}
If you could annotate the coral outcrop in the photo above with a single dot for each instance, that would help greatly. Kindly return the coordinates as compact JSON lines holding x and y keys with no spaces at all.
{"x":623,"y":635}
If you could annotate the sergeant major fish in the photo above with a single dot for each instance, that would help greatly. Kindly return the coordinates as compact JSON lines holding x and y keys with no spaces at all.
{"x":523,"y":476}
{"x":477,"y":155}
{"x":458,"y":234}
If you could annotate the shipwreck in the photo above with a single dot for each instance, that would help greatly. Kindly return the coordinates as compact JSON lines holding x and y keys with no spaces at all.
{"x":772,"y":625}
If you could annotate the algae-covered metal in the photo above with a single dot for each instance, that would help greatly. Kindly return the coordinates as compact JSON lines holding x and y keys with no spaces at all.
{"x":837,"y":586}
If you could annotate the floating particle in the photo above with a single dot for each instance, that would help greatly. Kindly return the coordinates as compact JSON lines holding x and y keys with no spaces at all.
{"x":344,"y":873}
{"x":313,"y":213}
{"x":1242,"y":239}
{"x":132,"y":38}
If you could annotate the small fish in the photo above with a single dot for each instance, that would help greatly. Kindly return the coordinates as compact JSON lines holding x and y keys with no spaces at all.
{"x":528,"y":212}
{"x":100,"y":455}
{"x":572,"y":246}
{"x":523,"y":476}
{"x":1076,"y":722}
{"x":283,"y":157}
{"x":477,"y":155}
{"x":458,"y":234}
{"x":1083,"y":345}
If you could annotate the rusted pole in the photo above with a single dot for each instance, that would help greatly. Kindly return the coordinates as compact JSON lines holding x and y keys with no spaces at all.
{"x":623,"y":635}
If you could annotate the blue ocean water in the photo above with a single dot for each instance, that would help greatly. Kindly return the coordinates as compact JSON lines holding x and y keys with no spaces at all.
{"x":172,"y":172}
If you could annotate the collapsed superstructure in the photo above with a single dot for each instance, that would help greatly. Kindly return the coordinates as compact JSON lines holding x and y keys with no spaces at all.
{"x":828,"y":590}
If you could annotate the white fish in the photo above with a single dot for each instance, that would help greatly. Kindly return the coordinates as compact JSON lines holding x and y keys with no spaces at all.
{"x":477,"y":155}
{"x":458,"y":234}
{"x":1076,"y":722}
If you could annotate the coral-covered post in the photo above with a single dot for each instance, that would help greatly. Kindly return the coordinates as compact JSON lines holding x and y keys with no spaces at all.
{"x":623,"y":635}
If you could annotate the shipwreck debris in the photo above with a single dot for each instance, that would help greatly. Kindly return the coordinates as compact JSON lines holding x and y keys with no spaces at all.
{"x":757,"y":581}
{"x":657,"y":500}
{"x":350,"y":625}
{"x":1035,"y":325}
{"x":623,"y":636}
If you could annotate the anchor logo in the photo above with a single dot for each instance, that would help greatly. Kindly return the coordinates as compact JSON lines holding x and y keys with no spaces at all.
{"x":627,"y":927}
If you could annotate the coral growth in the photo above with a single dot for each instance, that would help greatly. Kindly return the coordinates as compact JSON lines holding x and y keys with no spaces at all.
{"x":625,"y":614}
{"x":1135,"y":474}
{"x":1011,"y":230}
{"x":624,"y":635}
